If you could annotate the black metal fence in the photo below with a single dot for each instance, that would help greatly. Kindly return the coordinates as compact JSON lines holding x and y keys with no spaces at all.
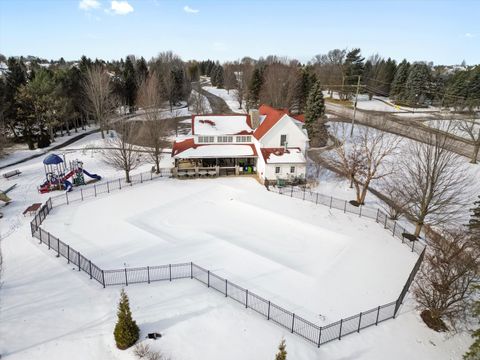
{"x":315,"y":334}
{"x":90,"y":191}
{"x":378,"y":215}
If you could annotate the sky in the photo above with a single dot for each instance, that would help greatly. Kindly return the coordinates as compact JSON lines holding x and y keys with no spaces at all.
{"x":445,"y":32}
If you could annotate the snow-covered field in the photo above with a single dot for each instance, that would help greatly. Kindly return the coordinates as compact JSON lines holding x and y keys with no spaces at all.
{"x":48,"y":310}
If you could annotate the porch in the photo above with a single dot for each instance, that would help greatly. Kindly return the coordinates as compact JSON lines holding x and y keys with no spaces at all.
{"x":214,"y":167}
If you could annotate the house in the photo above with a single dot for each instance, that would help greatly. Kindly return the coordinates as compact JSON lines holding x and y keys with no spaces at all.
{"x":269,"y":143}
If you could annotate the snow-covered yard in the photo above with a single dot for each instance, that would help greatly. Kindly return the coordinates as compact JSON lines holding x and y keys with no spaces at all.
{"x":228,"y":96}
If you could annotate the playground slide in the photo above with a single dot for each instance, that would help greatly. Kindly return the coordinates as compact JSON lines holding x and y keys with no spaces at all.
{"x":69,"y":175}
{"x":68,"y":185}
{"x":93,"y":176}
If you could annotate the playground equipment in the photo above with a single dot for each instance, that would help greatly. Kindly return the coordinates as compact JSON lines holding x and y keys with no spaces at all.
{"x":57,"y":175}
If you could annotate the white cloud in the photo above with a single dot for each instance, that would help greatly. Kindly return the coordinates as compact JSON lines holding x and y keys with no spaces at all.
{"x":469,"y":35}
{"x":188,"y":9}
{"x":89,"y":4}
{"x":121,"y":7}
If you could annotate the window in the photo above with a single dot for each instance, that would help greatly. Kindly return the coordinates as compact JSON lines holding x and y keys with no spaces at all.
{"x":292,"y":169}
{"x":283,"y":140}
{"x":277,"y":170}
{"x":224,"y":139}
{"x":243,"y":139}
{"x":205,"y":139}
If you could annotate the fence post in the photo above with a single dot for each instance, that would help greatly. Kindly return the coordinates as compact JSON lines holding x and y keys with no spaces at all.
{"x":90,"y":268}
{"x":360,"y":215}
{"x":376,"y":217}
{"x":413,"y":245}
{"x":394,"y":226}
{"x":148,"y":274}
{"x":170,"y":272}
{"x":304,"y":189}
{"x":359,"y":322}
{"x":385,"y":225}
{"x":108,"y":188}
{"x":126,"y":278}
{"x":226,"y":288}
{"x":66,"y":195}
{"x":319,"y":336}
{"x":120,"y":184}
{"x":58,"y":247}
{"x":141,"y":178}
{"x":103,"y":279}
{"x":81,"y":193}
{"x":95,"y":189}
{"x":246,"y":298}
{"x":68,"y":254}
{"x":378,"y":313}
{"x":345,"y":207}
{"x":48,"y":241}
{"x":40,"y":233}
{"x":191,"y":270}
{"x":316,"y":201}
{"x":340,"y":332}
{"x":78,"y":260}
{"x":208,"y":278}
{"x":291,"y":190}
{"x":151,"y":175}
{"x":293,"y":321}
{"x":268,"y":313}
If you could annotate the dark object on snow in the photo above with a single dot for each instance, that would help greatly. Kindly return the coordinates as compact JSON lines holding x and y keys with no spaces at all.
{"x":9,"y":174}
{"x":409,"y":236}
{"x":52,"y":159}
{"x":354,"y":203}
{"x":154,"y":336}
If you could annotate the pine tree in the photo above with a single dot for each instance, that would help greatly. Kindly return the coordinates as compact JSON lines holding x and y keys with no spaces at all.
{"x":474,"y":223}
{"x":417,"y":85}
{"x":141,"y":69}
{"x":314,"y":114}
{"x":126,"y":331}
{"x":282,"y":352}
{"x":353,"y":67}
{"x":254,"y":87}
{"x":474,"y":350}
{"x":130,"y":83}
{"x":397,"y":89}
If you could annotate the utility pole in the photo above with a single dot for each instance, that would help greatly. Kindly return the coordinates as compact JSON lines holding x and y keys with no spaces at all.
{"x":355,"y":105}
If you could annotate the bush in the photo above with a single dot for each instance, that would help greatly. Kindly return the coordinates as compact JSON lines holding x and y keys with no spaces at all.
{"x":126,"y":331}
{"x":43,"y":141}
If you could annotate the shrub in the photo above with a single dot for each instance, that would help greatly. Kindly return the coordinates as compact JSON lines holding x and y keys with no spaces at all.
{"x":126,"y":331}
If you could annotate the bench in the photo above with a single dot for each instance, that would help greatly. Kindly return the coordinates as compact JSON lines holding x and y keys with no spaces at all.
{"x":12,"y":173}
{"x":32,"y":209}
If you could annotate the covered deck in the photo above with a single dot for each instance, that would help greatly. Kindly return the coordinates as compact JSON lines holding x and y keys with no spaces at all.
{"x":212,"y":167}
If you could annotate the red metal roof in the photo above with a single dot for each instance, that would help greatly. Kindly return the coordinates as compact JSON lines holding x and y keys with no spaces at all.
{"x":272,"y":116}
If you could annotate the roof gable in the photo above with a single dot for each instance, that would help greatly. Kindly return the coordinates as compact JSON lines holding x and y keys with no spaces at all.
{"x":272,"y":117}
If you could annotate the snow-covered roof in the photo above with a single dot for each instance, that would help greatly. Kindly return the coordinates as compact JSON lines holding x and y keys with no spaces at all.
{"x":217,"y":151}
{"x":283,"y":156}
{"x":221,"y":125}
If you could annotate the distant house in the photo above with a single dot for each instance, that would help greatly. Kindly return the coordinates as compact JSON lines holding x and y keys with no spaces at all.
{"x":269,"y":143}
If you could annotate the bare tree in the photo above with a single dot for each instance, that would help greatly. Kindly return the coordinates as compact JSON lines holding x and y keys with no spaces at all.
{"x":243,"y":76}
{"x":471,"y":127}
{"x":99,"y":100}
{"x":230,"y":80}
{"x":278,"y":89}
{"x":121,"y":151}
{"x":444,"y":286}
{"x":365,"y":158}
{"x":199,"y":103}
{"x":433,"y":181}
{"x":155,"y":127}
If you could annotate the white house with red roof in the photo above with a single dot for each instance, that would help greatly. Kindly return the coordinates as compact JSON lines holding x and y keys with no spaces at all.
{"x":268,"y":142}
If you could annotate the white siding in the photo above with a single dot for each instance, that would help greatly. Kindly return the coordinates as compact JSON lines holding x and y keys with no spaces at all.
{"x":269,"y":172}
{"x":285,"y":126}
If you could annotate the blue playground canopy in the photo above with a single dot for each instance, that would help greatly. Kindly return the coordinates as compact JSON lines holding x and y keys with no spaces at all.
{"x":52,"y":159}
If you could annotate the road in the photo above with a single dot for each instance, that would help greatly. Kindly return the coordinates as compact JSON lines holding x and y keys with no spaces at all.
{"x":218,"y":105}
{"x":409,"y":128}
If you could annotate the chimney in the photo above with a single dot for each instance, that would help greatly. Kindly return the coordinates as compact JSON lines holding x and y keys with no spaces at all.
{"x":254,"y":118}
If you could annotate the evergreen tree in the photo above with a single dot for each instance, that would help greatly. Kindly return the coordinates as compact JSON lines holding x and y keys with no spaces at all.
{"x":255,"y":87}
{"x":314,"y":117}
{"x":282,"y":352}
{"x":126,"y":331}
{"x":417,"y":86}
{"x":14,"y":79}
{"x":141,"y":70}
{"x":304,"y":84}
{"x":474,"y":223}
{"x":397,"y":89}
{"x":130,"y":83}
{"x":353,"y":67}
{"x":474,"y":350}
